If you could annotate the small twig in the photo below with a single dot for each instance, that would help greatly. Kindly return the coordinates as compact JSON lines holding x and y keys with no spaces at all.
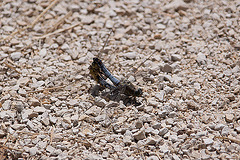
{"x":140,"y":152}
{"x":32,"y":24}
{"x":144,"y":61}
{"x":46,"y":89}
{"x":2,"y":153}
{"x":5,"y":147}
{"x":31,"y":133}
{"x":52,"y":134}
{"x":228,"y":139}
{"x":99,"y":53}
{"x":10,"y":61}
{"x":6,"y":139}
{"x":57,"y":31}
{"x":10,"y":66}
{"x":55,"y":26}
{"x":37,"y":19}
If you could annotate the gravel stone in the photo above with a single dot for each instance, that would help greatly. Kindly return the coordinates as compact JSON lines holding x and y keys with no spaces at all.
{"x":19,"y":106}
{"x":201,"y":59}
{"x":167,"y":68}
{"x":176,"y":5}
{"x":163,"y":131}
{"x":8,"y":28}
{"x":33,"y":151}
{"x":127,"y":140}
{"x":229,"y":118}
{"x":139,"y":124}
{"x":225,"y":131}
{"x":175,"y":57}
{"x":152,"y":158}
{"x":6,"y":105}
{"x":94,"y":111}
{"x":28,"y":114}
{"x":130,"y":55}
{"x":50,"y":149}
{"x":219,"y":127}
{"x":34,"y":102}
{"x":39,"y":109}
{"x":43,"y":52}
{"x":16,"y":55}
{"x":151,"y":141}
{"x":18,"y":126}
{"x":140,"y":135}
{"x":208,"y":141}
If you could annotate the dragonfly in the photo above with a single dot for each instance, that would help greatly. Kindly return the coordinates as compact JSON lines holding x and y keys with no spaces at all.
{"x":100,"y":73}
{"x":98,"y":69}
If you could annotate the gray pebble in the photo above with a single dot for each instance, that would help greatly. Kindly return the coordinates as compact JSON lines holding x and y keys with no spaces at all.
{"x":66,"y":57}
{"x":3,"y":55}
{"x":16,"y":55}
{"x":130,"y":55}
{"x":175,"y":57}
{"x":50,"y":149}
{"x":151,"y":141}
{"x":74,"y":8}
{"x":127,"y":140}
{"x":201,"y":58}
{"x":8,"y":28}
{"x":225,"y":131}
{"x":219,"y":127}
{"x":208,"y":141}
{"x":33,"y":151}
{"x":163,"y":131}
{"x":39,"y":109}
{"x":93,"y":111}
{"x":140,"y":135}
{"x":19,"y":106}
{"x":7,"y":104}
{"x":139,"y":124}
{"x":43,"y":52}
{"x":101,"y":117}
{"x":18,"y":126}
{"x":167,"y":68}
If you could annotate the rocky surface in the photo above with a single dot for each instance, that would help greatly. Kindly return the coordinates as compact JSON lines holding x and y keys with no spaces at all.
{"x":190,"y":108}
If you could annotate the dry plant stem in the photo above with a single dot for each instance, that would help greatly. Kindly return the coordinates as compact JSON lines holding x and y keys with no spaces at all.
{"x":5,"y":147}
{"x":37,"y":19}
{"x":10,"y":66}
{"x":31,"y":133}
{"x":144,"y":61}
{"x":52,"y":134}
{"x":228,"y":139}
{"x":41,"y":90}
{"x":100,"y":51}
{"x":2,"y":153}
{"x":6,"y":139}
{"x":57,"y":31}
{"x":10,"y":61}
{"x":55,"y":26}
{"x":32,"y":24}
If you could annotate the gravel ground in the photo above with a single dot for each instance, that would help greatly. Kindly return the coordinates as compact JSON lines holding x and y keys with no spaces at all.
{"x":190,"y":107}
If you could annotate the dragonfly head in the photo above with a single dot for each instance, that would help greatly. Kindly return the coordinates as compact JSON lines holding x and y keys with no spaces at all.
{"x":138,"y":92}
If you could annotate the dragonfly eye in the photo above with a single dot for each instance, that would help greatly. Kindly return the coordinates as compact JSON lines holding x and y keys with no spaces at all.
{"x":138,"y":92}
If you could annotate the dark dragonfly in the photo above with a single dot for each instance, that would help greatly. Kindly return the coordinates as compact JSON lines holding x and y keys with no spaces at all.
{"x":119,"y":89}
{"x":99,"y":71}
